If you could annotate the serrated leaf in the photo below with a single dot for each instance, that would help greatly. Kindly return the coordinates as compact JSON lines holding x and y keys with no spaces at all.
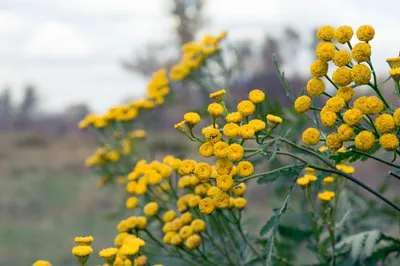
{"x":294,"y":233}
{"x":269,"y":224}
{"x":370,"y":242}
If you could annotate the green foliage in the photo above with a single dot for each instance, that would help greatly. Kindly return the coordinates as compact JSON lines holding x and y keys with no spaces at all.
{"x":352,"y":156}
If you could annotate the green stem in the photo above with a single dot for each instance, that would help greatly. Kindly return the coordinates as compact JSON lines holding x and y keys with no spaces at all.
{"x":375,"y":158}
{"x":331,"y":81}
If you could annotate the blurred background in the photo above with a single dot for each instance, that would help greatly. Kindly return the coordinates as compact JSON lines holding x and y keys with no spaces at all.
{"x":60,"y":60}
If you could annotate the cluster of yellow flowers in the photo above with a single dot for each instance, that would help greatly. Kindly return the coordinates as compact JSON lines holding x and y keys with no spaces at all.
{"x":194,"y":55}
{"x":352,"y":120}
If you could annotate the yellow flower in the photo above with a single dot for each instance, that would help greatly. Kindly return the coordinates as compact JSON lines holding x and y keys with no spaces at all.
{"x":212,"y":134}
{"x":123,"y":226}
{"x":218,"y":96}
{"x":328,"y":180}
{"x":342,"y":76}
{"x":310,"y":170}
{"x":373,"y":105}
{"x":325,"y":33}
{"x":315,"y":87}
{"x":319,"y":68}
{"x":394,"y":62}
{"x":231,"y":130}
{"x":396,"y":117}
{"x":141,"y":261}
{"x":239,"y":203}
{"x":186,"y":231}
{"x":323,"y":149}
{"x":302,"y":181}
{"x":343,"y":34}
{"x":119,"y":239}
{"x":359,"y":103}
{"x":82,"y":253}
{"x":109,"y":255}
{"x":181,"y":126}
{"x":246,"y":108}
{"x":311,"y":136}
{"x":256,"y":96}
{"x":220,"y":149}
{"x":361,"y":74}
{"x":221,"y":199}
{"x":333,"y":141}
{"x":345,"y":132}
{"x":328,"y":118}
{"x":345,"y":168}
{"x":141,"y":222}
{"x":203,"y":171}
{"x":302,"y":104}
{"x":119,"y":261}
{"x":224,"y":182}
{"x":215,"y":109}
{"x":361,"y":52}
{"x":187,"y":167}
{"x":335,"y":104}
{"x":169,"y":216}
{"x":342,"y":58}
{"x":151,"y":208}
{"x":201,"y":189}
{"x":198,"y":225}
{"x":138,"y":134}
{"x":193,"y":241}
{"x":257,"y":124}
{"x":234,"y":117}
{"x":325,"y":51}
{"x":245,"y":168}
{"x":346,"y":93}
{"x":326,"y":196}
{"x":192,"y":118}
{"x":129,"y":250}
{"x":235,"y":152}
{"x":212,"y":191}
{"x":41,"y":263}
{"x":83,"y":240}
{"x":206,"y":149}
{"x":132,"y":202}
{"x":365,"y":33}
{"x":352,"y":117}
{"x":223,"y":166}
{"x":384,"y":123}
{"x":389,"y":142}
{"x":206,"y":206}
{"x":273,"y":120}
{"x":239,"y":190}
{"x":246,"y":132}
{"x":395,"y":73}
{"x":364,"y":140}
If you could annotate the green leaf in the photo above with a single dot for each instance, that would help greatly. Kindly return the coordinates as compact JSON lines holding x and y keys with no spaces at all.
{"x":294,"y":233}
{"x":269,"y":224}
{"x":352,"y":156}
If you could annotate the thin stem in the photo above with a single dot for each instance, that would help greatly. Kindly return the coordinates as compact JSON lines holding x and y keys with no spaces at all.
{"x":331,"y":81}
{"x":395,"y":175}
{"x":375,"y":158}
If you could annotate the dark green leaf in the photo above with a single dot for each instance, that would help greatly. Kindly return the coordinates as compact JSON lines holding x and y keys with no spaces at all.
{"x":269,"y":224}
{"x":294,"y":233}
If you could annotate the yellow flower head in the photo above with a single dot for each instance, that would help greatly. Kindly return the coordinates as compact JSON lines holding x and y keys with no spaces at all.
{"x":325,"y":33}
{"x":198,"y":225}
{"x":207,"y":149}
{"x":345,"y":168}
{"x":389,"y":142}
{"x":119,"y":239}
{"x":169,"y":216}
{"x":231,"y":130}
{"x":364,"y":140}
{"x":206,"y":206}
{"x":365,"y":33}
{"x":41,"y":263}
{"x":395,"y":73}
{"x":141,"y":261}
{"x":187,"y":167}
{"x":83,"y":240}
{"x":326,"y":196}
{"x":246,"y":132}
{"x":223,"y":166}
{"x":239,"y":203}
{"x":245,"y":168}
{"x":273,"y":120}
{"x":346,"y":93}
{"x":396,"y":117}
{"x":186,"y":231}
{"x":384,"y":123}
{"x":224,"y":182}
{"x":359,"y":103}
{"x":328,"y":180}
{"x":302,"y":104}
{"x":187,"y":217}
{"x":334,"y":142}
{"x":141,"y":222}
{"x":192,"y":118}
{"x":235,"y":152}
{"x":373,"y":105}
{"x":132,"y":202}
{"x":352,"y":117}
{"x":109,"y":255}
{"x":215,"y":109}
{"x":323,"y":149}
{"x":361,"y":74}
{"x":256,"y":96}
{"x":212,"y":191}
{"x":221,"y":199}
{"x":234,"y":117}
{"x":239,"y":190}
{"x":246,"y":108}
{"x":150,"y":209}
{"x":342,"y":76}
{"x":342,"y":58}
{"x":361,"y":52}
{"x":181,"y":126}
{"x":343,"y":34}
{"x":311,"y":136}
{"x":212,"y":134}
{"x":335,"y":104}
{"x":345,"y":132}
{"x":220,"y":149}
{"x":302,"y":181}
{"x":328,"y":118}
{"x":203,"y":171}
{"x":257,"y":124}
{"x":82,"y":253}
{"x":311,"y":177}
{"x":315,"y":87}
{"x":325,"y":51}
{"x":319,"y":68}
{"x":218,"y":96}
{"x":193,"y":241}
{"x":129,"y":250}
{"x":310,"y":170}
{"x":394,"y":62}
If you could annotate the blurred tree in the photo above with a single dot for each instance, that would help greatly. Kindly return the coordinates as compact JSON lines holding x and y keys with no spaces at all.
{"x":29,"y":101}
{"x":77,"y":111}
{"x":5,"y":104}
{"x":270,"y":46}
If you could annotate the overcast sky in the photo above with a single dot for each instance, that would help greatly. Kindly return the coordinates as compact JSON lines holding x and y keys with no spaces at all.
{"x":71,"y":48}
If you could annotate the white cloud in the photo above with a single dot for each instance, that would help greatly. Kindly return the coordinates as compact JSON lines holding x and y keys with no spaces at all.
{"x":55,"y":40}
{"x":10,"y":22}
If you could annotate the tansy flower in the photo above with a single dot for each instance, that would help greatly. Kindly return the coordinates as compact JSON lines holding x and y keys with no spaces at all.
{"x":212,"y":191}
{"x":82,"y":253}
{"x":215,"y":109}
{"x":342,"y":76}
{"x":365,"y":33}
{"x":335,"y":104}
{"x":325,"y":33}
{"x":187,"y":217}
{"x":343,"y":34}
{"x":256,"y":96}
{"x":345,"y":168}
{"x":193,"y":241}
{"x":141,"y":261}
{"x":364,"y":140}
{"x":212,"y":135}
{"x":345,"y":132}
{"x":359,"y":103}
{"x":342,"y":58}
{"x":129,"y":250}
{"x":83,"y":240}
{"x":361,"y":52}
{"x":186,"y":231}
{"x":328,"y":118}
{"x":361,"y":74}
{"x":246,"y":108}
{"x":319,"y":68}
{"x":328,"y":180}
{"x":231,"y":130}
{"x":302,"y":181}
{"x":181,"y":126}
{"x":223,"y":166}
{"x":325,"y":51}
{"x":239,"y":190}
{"x":384,"y":123}
{"x":221,"y":200}
{"x":239,"y":203}
{"x":389,"y":142}
{"x":168,"y":236}
{"x":192,"y":118}
{"x":245,"y":168}
{"x":311,"y":136}
{"x":169,"y":216}
{"x":203,"y":171}
{"x":257,"y":124}
{"x":326,"y":196}
{"x":150,"y":209}
{"x":310,"y":170}
{"x":198,"y":225}
{"x":235,"y":152}
{"x":206,"y":206}
{"x":108,"y":255}
{"x":396,"y":117}
{"x":273,"y":120}
{"x":315,"y":87}
{"x":220,"y":149}
{"x":346,"y":93}
{"x":323,"y":149}
{"x":41,"y":263}
{"x":187,"y":167}
{"x":352,"y":117}
{"x":395,"y":73}
{"x":224,"y":182}
{"x":246,"y":132}
{"x":333,"y":141}
{"x":394,"y":62}
{"x":132,"y":202}
{"x":123,"y":226}
{"x":119,"y":239}
{"x":234,"y":117}
{"x":218,"y":96}
{"x":311,"y":177}
{"x":302,"y":104}
{"x":373,"y":105}
{"x":206,"y":149}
